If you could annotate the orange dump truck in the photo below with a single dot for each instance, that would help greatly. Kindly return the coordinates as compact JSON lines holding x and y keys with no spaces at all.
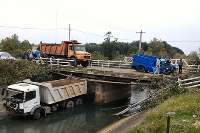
{"x":67,"y":49}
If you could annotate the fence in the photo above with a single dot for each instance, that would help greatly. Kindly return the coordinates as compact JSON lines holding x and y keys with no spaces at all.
{"x":190,"y":82}
{"x":110,"y":64}
{"x":126,"y":63}
{"x":54,"y":62}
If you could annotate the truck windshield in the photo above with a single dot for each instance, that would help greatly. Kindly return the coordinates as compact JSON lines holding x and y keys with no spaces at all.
{"x":164,"y":63}
{"x":79,"y":48}
{"x":15,"y":95}
{"x":19,"y":96}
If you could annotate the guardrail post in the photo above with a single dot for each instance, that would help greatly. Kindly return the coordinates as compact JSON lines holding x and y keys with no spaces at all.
{"x":119,"y":63}
{"x":58,"y":63}
{"x":98,"y":63}
{"x":91,"y":63}
{"x":50,"y":62}
{"x":108,"y":63}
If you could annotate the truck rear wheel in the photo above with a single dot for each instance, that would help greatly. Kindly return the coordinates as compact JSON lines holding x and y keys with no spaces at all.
{"x":70,"y":104}
{"x":141,"y":69}
{"x":84,"y":63}
{"x":37,"y":114}
{"x":74,"y":62}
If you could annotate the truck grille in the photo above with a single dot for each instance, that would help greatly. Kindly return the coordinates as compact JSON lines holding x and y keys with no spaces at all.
{"x":87,"y":57}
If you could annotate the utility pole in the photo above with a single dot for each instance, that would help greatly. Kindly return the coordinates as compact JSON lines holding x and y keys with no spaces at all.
{"x":140,"y":42}
{"x":69,"y":32}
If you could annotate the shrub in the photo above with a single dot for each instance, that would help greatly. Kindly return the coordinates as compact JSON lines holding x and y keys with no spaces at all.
{"x":12,"y":71}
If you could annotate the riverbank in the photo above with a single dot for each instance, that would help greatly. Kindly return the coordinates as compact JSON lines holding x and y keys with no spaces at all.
{"x":186,"y":118}
{"x":124,"y":125}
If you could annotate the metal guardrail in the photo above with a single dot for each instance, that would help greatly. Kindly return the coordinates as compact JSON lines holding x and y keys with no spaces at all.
{"x":190,"y":82}
{"x":54,"y":62}
{"x":110,"y":64}
{"x":126,"y":63}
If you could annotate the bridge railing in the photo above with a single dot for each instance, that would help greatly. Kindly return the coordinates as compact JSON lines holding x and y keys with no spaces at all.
{"x":54,"y":62}
{"x":110,"y":64}
{"x":126,"y":63}
{"x":190,"y":82}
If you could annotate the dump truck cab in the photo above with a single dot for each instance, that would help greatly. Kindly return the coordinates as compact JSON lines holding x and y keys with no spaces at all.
{"x":22,"y":98}
{"x":77,"y":51}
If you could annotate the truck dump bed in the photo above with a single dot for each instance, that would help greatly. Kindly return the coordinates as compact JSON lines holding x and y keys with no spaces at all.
{"x":59,"y":90}
{"x":54,"y":49}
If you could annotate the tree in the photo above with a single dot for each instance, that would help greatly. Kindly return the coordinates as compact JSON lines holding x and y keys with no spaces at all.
{"x":193,"y":58}
{"x":14,"y":46}
{"x":114,"y":49}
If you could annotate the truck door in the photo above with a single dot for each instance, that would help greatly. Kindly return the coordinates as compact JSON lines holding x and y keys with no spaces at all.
{"x":30,"y":101}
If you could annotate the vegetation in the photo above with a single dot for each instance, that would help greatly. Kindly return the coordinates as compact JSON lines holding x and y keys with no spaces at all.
{"x":114,"y":50}
{"x":14,"y":46}
{"x":186,"y":119}
{"x":109,"y":49}
{"x":13,"y":71}
{"x":193,"y":58}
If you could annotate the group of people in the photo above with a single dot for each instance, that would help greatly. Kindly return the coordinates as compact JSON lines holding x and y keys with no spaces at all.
{"x":180,"y":66}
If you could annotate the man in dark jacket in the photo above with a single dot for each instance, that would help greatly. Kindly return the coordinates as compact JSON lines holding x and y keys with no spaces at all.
{"x":180,"y":66}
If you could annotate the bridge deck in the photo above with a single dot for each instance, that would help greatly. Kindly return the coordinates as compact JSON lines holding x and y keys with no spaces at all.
{"x":113,"y":75}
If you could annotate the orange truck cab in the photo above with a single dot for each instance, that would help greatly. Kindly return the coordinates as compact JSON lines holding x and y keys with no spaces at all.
{"x":67,"y":49}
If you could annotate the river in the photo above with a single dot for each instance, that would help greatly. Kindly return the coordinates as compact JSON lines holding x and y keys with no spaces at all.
{"x":87,"y":118}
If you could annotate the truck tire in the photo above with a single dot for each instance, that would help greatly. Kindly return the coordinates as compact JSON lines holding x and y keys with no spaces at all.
{"x":70,"y":104}
{"x":36,"y":114}
{"x":74,"y":62}
{"x":141,"y":69}
{"x":79,"y":101}
{"x":84,"y":63}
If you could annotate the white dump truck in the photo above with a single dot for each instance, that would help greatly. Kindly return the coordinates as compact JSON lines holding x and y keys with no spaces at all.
{"x":38,"y":99}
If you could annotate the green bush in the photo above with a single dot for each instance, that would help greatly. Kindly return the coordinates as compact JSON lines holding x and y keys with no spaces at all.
{"x":12,"y":71}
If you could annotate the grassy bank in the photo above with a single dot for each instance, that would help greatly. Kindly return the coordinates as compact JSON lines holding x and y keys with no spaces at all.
{"x":186,"y":119}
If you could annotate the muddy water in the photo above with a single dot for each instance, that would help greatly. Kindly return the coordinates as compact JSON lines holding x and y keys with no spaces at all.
{"x":86,"y":118}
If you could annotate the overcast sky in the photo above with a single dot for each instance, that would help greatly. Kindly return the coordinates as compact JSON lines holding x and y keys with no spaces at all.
{"x":176,"y":21}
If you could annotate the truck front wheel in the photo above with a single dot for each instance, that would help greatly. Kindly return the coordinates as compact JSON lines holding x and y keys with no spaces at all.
{"x":79,"y":101}
{"x":37,"y":114}
{"x":84,"y":63}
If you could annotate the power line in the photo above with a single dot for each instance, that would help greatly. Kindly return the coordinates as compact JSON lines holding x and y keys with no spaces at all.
{"x":31,"y":28}
{"x":95,"y":34}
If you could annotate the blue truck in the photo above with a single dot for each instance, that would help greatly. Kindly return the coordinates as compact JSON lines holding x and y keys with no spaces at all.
{"x":146,"y":63}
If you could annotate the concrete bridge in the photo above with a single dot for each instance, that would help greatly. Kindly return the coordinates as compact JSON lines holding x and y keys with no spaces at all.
{"x":107,"y":87}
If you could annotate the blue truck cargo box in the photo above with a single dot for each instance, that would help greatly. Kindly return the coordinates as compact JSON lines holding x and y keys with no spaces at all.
{"x":147,"y":63}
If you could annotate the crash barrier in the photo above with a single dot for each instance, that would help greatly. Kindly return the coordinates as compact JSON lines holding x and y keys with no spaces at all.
{"x":190,"y":82}
{"x":54,"y":62}
{"x":126,"y":63}
{"x":110,"y":64}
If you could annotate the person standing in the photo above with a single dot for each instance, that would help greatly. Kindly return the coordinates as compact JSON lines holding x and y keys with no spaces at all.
{"x":157,"y":71}
{"x":180,"y":66}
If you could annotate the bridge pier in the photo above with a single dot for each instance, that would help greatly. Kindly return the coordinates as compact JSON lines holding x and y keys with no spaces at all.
{"x":107,"y":91}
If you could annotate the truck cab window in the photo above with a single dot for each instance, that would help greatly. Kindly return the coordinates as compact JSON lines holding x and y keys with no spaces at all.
{"x":71,"y":47}
{"x":30,"y":95}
